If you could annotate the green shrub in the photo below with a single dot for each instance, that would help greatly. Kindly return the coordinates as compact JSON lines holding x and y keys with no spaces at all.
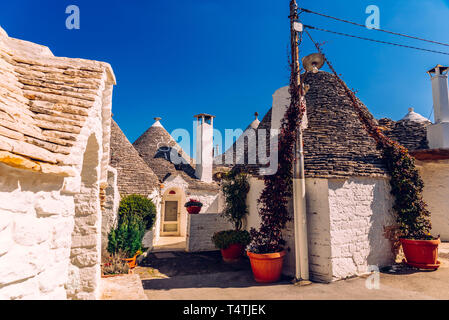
{"x":224,"y":239}
{"x":235,"y":187}
{"x":128,"y":235}
{"x":138,"y":205}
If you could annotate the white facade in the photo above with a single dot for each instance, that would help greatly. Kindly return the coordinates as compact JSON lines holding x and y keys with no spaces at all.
{"x":345,"y":220}
{"x":435,"y":175}
{"x":204,"y":147}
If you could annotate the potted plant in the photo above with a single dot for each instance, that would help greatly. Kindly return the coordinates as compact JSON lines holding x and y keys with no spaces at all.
{"x":419,"y":246}
{"x":233,"y":242}
{"x":193,"y":206}
{"x":115,"y":266}
{"x":136,"y":215}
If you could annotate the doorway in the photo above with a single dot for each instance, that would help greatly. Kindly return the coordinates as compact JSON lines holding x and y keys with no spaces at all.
{"x":171,"y":214}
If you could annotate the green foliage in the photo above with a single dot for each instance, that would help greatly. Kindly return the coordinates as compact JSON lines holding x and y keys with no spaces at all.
{"x":224,"y":239}
{"x":128,"y":235}
{"x":406,"y":185}
{"x":138,"y":205}
{"x":235,"y":188}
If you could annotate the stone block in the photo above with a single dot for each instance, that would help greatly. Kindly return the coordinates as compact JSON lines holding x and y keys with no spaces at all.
{"x":29,"y":231}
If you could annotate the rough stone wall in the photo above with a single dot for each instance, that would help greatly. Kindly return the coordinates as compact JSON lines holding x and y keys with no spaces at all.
{"x":35,"y":229}
{"x":200,"y":229}
{"x":345,"y":220}
{"x":359,"y":208}
{"x":85,"y":257}
{"x":435,"y":175}
{"x":110,"y":209}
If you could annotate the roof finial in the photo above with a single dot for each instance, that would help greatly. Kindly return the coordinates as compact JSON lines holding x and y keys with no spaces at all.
{"x":157,"y":119}
{"x":256,"y":114}
{"x":411,"y":109}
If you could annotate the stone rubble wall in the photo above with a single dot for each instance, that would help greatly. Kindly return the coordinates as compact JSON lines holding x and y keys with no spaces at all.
{"x":55,"y":117}
{"x":36,"y":222}
{"x":345,"y":221}
{"x":435,"y":175}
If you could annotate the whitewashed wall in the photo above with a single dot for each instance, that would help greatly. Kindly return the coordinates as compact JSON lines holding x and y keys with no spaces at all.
{"x":435,"y":175}
{"x":345,"y":221}
{"x":36,"y":222}
{"x":359,"y":208}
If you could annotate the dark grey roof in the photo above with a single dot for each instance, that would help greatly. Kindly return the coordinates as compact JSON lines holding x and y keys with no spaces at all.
{"x":156,"y":147}
{"x":336,"y":144}
{"x":134,"y":176}
{"x":410,"y":134}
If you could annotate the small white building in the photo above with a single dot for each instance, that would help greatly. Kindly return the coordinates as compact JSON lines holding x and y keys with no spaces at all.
{"x":55,"y":118}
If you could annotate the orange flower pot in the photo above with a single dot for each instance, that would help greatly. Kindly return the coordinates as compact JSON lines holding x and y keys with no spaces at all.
{"x":131,"y":262}
{"x":232,"y":253}
{"x":266,"y":267}
{"x":421,"y":254}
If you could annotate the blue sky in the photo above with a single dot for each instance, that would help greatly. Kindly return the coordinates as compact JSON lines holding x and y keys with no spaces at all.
{"x":174,"y":59}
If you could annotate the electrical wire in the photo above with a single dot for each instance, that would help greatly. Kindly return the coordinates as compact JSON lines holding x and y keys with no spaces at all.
{"x":380,"y":30}
{"x":374,"y":40}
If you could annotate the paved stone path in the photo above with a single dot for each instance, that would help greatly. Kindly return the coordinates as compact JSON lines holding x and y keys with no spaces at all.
{"x":125,"y":287}
{"x":204,"y":276}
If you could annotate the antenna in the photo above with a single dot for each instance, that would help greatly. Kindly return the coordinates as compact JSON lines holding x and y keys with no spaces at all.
{"x":313,"y":62}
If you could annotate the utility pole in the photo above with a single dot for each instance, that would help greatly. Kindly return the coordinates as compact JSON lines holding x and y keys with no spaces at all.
{"x":299,"y":188}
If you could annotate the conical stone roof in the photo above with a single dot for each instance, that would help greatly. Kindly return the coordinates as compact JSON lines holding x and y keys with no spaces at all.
{"x":134,"y":175}
{"x":159,"y":151}
{"x":336,"y":143}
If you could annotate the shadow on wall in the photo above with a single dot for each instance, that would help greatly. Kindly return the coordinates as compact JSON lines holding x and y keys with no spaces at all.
{"x":200,"y":270}
{"x":13,"y":179}
{"x":381,"y":253}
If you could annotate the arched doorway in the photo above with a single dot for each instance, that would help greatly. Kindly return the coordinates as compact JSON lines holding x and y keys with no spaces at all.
{"x":171,"y":213}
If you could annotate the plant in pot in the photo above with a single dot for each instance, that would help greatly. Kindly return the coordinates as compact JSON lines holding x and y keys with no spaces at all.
{"x":136,"y":215}
{"x":193,"y":206}
{"x":419,"y":246}
{"x":233,"y":242}
{"x":412,"y":217}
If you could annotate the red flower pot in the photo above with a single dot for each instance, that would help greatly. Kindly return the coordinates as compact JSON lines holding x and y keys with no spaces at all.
{"x":232,"y":253}
{"x":421,"y":254}
{"x":267,"y":267}
{"x":193,"y":209}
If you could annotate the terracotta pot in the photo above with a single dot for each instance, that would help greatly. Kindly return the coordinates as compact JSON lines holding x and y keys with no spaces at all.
{"x":267,"y":267}
{"x":232,"y":253}
{"x":421,"y":254}
{"x":131,"y":262}
{"x":193,"y":210}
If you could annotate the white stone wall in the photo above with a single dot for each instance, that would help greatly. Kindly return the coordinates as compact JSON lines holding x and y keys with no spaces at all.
{"x":359,"y":208}
{"x":435,"y":175}
{"x":345,"y":221}
{"x":200,"y":229}
{"x":110,"y":209}
{"x":36,"y":222}
{"x":318,"y":229}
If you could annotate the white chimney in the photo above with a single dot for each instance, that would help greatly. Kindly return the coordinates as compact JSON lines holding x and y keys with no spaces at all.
{"x":204,"y":146}
{"x":438,"y":133}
